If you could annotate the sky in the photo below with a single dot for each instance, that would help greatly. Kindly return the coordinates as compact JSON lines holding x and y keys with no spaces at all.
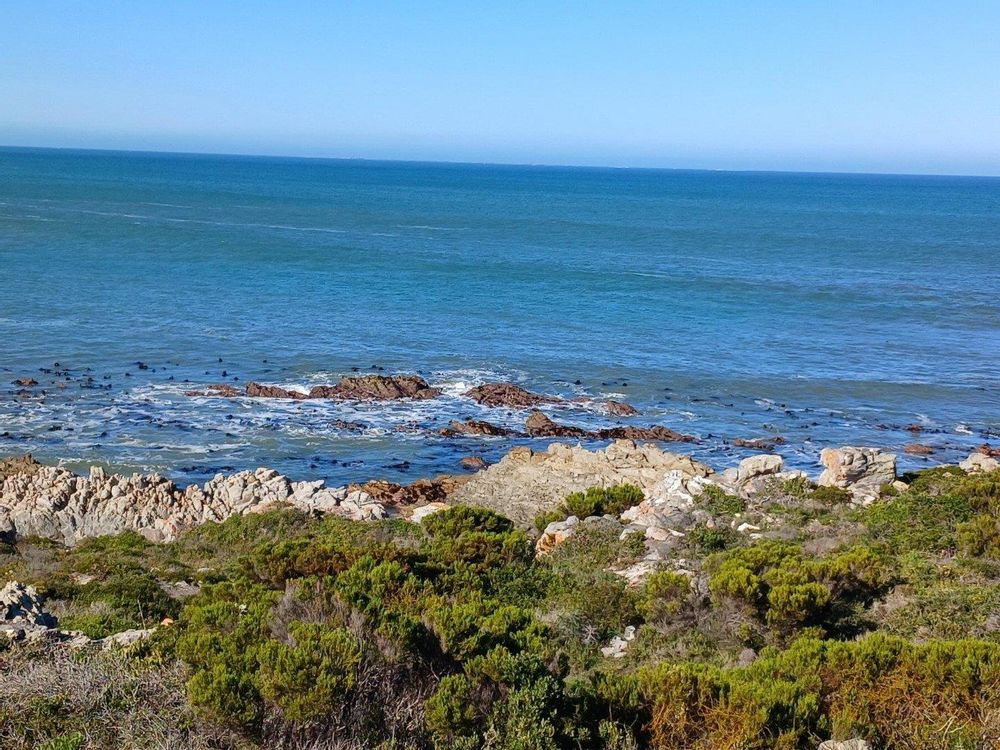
{"x":884,"y":86}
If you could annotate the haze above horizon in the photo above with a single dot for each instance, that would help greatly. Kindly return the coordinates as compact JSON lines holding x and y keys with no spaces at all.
{"x":907,"y":87}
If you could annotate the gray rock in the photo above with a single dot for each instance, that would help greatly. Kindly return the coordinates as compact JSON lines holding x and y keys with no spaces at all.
{"x":979,"y":463}
{"x":853,"y":744}
{"x":862,"y":471}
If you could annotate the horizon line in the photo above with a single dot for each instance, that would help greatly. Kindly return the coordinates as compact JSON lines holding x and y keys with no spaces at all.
{"x":465,"y":163}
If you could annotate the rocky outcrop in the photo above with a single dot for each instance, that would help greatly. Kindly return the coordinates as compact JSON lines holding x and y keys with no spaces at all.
{"x":354,"y":388}
{"x":418,"y":492}
{"x":619,"y":409}
{"x":918,"y":449}
{"x":525,"y":482}
{"x":377,"y":388}
{"x":26,"y":382}
{"x":862,"y":471}
{"x":57,"y":504}
{"x":474,"y":427}
{"x":508,"y":394}
{"x":24,"y":620}
{"x":18,"y":465}
{"x":21,"y":614}
{"x":539,"y":424}
{"x":256,"y":390}
{"x":656,"y":433}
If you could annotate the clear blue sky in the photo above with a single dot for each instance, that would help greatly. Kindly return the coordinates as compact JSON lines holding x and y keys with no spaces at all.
{"x":882,"y":85}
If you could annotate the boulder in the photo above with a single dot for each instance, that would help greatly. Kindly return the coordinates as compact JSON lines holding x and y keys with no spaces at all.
{"x":473,"y":463}
{"x":853,"y":744}
{"x":759,"y":466}
{"x":420,"y":513}
{"x":862,"y":471}
{"x":539,"y":425}
{"x":508,"y":394}
{"x":918,"y":449}
{"x":555,"y":534}
{"x":619,"y":408}
{"x":979,"y":463}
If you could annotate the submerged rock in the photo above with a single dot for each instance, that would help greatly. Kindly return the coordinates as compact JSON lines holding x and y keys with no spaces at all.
{"x":918,"y":449}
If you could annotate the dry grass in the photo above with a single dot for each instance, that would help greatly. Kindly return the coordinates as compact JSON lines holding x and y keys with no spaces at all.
{"x":53,"y":697}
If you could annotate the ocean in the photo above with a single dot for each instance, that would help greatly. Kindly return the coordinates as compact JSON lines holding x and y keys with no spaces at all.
{"x":824,"y":309}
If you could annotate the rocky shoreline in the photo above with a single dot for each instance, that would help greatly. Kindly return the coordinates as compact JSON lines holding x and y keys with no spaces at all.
{"x":54,"y":503}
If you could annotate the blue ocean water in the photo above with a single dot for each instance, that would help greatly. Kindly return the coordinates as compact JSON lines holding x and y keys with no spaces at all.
{"x":827,"y":309}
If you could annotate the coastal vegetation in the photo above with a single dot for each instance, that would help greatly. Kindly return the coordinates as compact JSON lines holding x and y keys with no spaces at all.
{"x":288,"y":629}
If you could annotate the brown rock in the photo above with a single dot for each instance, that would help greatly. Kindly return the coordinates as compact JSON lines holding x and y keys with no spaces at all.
{"x":377,"y":388}
{"x":473,"y":463}
{"x":539,"y":425}
{"x":256,"y":390}
{"x":760,"y":444}
{"x":620,"y":409}
{"x":421,"y":491}
{"x":656,"y":433}
{"x":26,"y":382}
{"x":918,"y":449}
{"x":987,"y":450}
{"x":474,"y":427}
{"x":18,"y":465}
{"x":914,"y":428}
{"x":508,"y":394}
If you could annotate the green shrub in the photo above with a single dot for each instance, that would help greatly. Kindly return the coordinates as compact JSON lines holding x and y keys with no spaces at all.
{"x":719,"y":503}
{"x":305,"y":677}
{"x":980,"y":537}
{"x":595,"y":501}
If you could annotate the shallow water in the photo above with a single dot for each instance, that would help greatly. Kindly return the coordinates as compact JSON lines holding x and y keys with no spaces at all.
{"x":828,"y":309}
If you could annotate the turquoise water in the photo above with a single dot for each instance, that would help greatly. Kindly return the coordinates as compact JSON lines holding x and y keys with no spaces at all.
{"x":827,"y":309}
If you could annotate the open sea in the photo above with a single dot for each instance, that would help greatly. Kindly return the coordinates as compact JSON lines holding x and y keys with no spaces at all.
{"x":827,"y":309}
